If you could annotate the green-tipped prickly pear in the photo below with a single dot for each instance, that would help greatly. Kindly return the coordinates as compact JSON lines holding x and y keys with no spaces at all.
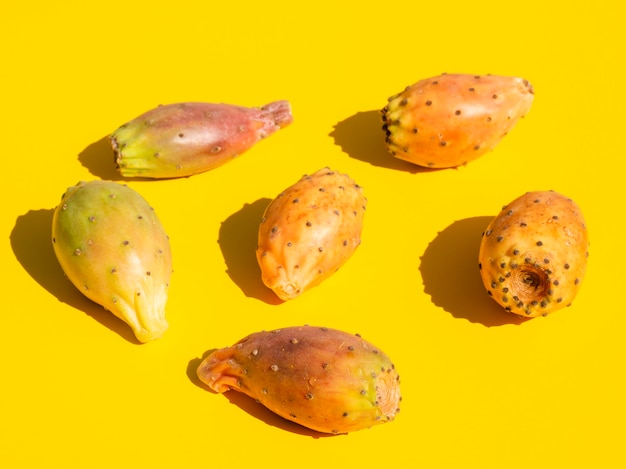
{"x":451,"y":119}
{"x":309,"y":231}
{"x":324,"y":379}
{"x":113,"y":248}
{"x":533,"y":254}
{"x":183,"y":139}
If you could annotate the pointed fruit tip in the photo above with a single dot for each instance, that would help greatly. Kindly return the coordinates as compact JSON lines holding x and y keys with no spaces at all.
{"x":280,"y":111}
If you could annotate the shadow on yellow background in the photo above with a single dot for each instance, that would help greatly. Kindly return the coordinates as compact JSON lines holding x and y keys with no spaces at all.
{"x":99,"y":160}
{"x":449,"y":269}
{"x":32,"y":246}
{"x":238,"y":241}
{"x":362,"y":138}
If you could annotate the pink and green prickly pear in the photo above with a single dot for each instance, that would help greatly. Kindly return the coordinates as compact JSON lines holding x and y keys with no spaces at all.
{"x":451,"y":119}
{"x":533,"y":255}
{"x":183,"y":139}
{"x":323,"y":379}
{"x":309,"y":231}
{"x":113,"y":248}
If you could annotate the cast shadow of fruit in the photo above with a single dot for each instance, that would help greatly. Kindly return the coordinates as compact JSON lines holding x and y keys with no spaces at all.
{"x":32,"y":246}
{"x":238,"y":241}
{"x":361,"y":137}
{"x":449,"y":269}
{"x":99,"y":160}
{"x":249,"y":405}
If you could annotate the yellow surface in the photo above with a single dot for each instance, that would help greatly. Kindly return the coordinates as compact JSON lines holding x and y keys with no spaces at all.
{"x":481,"y":390}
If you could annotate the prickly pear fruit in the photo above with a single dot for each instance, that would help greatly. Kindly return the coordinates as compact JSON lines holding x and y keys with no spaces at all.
{"x":309,"y":231}
{"x":451,"y":119}
{"x":113,"y":248}
{"x":533,"y":255}
{"x":324,"y":379}
{"x":183,"y":139}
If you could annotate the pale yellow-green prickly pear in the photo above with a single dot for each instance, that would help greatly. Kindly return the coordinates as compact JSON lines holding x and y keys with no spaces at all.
{"x":113,"y":248}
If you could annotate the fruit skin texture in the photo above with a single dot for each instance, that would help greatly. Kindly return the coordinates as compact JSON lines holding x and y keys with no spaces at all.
{"x":309,"y":231}
{"x":113,"y":248}
{"x":533,"y":254}
{"x":324,"y":379}
{"x":451,"y":119}
{"x":182,"y":139}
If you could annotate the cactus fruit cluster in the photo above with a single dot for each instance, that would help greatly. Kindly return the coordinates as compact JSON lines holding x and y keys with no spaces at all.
{"x":113,"y":248}
{"x":533,"y":255}
{"x":451,"y":119}
{"x":309,"y":231}
{"x":182,"y":139}
{"x":324,"y":379}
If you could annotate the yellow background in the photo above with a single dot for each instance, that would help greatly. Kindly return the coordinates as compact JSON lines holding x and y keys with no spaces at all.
{"x":481,"y":390}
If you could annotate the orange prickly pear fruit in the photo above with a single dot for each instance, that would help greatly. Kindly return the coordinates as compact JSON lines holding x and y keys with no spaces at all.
{"x":309,"y":231}
{"x":183,"y":139}
{"x":324,"y":379}
{"x":113,"y":248}
{"x":451,"y":119}
{"x":533,"y":255}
